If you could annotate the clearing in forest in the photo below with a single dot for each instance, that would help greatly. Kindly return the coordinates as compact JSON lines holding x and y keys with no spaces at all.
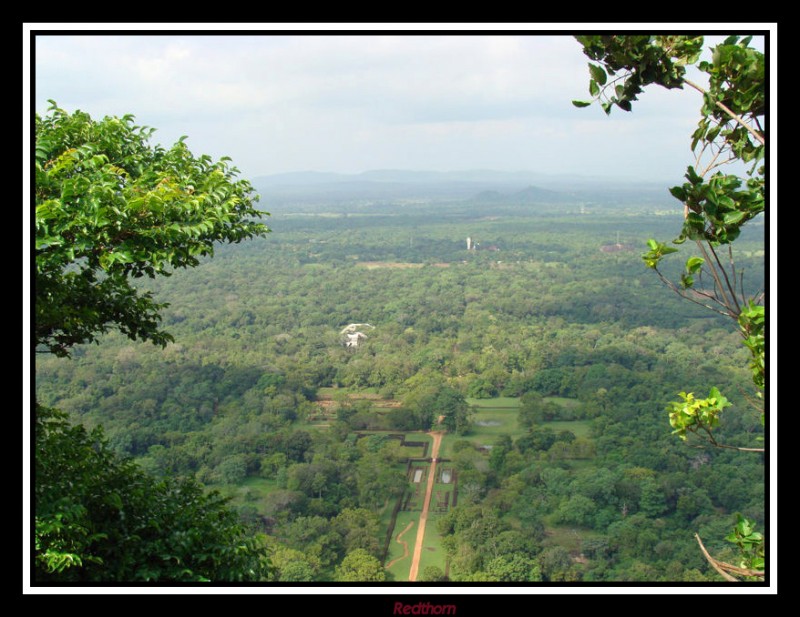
{"x":403,"y":543}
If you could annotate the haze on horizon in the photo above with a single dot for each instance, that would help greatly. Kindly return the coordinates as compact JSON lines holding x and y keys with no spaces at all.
{"x":348,"y":104}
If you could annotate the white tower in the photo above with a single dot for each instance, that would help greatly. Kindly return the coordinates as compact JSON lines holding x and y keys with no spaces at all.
{"x":469,"y":243}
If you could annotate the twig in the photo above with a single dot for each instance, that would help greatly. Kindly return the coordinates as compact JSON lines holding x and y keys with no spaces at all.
{"x":716,"y":444}
{"x":740,"y":571}
{"x":738,"y":119}
{"x":733,"y":271}
{"x":731,"y":289}
{"x":682,"y":294}
{"x":717,"y":281}
{"x":756,"y":404}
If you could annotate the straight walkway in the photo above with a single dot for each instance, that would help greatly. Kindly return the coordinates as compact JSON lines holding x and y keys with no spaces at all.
{"x":423,"y":517}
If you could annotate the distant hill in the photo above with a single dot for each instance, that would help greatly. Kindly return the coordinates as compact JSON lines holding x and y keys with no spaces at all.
{"x":501,"y":188}
{"x":527,"y":196}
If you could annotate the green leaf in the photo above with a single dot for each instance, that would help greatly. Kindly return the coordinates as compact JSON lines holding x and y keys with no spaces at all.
{"x":598,"y":74}
{"x":731,"y":218}
{"x":678,"y":193}
{"x":581,"y":103}
{"x":691,"y":176}
{"x":693,"y":264}
{"x":594,"y":89}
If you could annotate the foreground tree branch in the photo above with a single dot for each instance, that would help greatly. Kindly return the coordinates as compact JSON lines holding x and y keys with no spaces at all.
{"x":723,"y":568}
{"x":727,"y":110}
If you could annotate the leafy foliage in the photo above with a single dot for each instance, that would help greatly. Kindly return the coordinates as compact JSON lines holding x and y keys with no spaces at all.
{"x":100,"y":518}
{"x":750,"y":543}
{"x":360,"y":567}
{"x":716,"y":205}
{"x":111,"y":207}
{"x":642,"y":60}
{"x":751,"y":322}
{"x":692,"y":414}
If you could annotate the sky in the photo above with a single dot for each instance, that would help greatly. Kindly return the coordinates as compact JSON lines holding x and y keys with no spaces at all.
{"x":352,"y":103}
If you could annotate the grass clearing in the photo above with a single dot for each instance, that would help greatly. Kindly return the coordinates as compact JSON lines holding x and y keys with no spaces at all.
{"x":580,"y":428}
{"x":500,"y":402}
{"x":432,"y":550}
{"x":568,"y":537}
{"x":401,"y":567}
{"x":563,"y":401}
{"x":397,"y":265}
{"x":252,"y":489}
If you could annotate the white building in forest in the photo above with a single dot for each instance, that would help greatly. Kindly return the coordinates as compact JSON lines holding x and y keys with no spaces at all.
{"x":353,"y":335}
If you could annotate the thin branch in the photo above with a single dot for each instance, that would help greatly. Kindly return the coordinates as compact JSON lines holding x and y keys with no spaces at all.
{"x":740,"y":571}
{"x":741,"y":287}
{"x":713,"y":562}
{"x":731,"y":289}
{"x":725,"y":162}
{"x":721,"y":445}
{"x":738,"y":119}
{"x":710,"y":166}
{"x":714,"y":443}
{"x":700,"y":155}
{"x":733,"y":270}
{"x":717,"y":281}
{"x":755,"y":403}
{"x":682,"y":294}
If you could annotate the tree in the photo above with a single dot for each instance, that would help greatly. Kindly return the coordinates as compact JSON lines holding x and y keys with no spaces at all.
{"x":716,"y":205}
{"x":555,"y":564}
{"x":109,"y":209}
{"x":433,"y":574}
{"x":514,"y":568}
{"x":100,"y":518}
{"x":360,"y":567}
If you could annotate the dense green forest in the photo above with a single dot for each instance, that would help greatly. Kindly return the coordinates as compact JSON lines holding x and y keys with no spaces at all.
{"x":549,"y":354}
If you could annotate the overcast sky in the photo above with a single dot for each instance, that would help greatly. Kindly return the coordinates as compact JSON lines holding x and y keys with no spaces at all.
{"x":352,"y":103}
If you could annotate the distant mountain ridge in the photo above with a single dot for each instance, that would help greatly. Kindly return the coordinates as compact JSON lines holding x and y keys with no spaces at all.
{"x":482,"y":176}
{"x":474,"y":186}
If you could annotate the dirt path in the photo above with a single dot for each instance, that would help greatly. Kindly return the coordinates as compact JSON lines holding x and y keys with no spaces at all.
{"x":404,"y":543}
{"x":423,"y":517}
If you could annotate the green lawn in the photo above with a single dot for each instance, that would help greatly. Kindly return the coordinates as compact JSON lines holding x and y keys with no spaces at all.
{"x":328,"y":392}
{"x":563,"y":401}
{"x":512,"y":402}
{"x":500,"y":402}
{"x":401,"y":568}
{"x":432,"y":551}
{"x":568,"y":537}
{"x":252,"y":489}
{"x":489,"y":423}
{"x":579,"y":427}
